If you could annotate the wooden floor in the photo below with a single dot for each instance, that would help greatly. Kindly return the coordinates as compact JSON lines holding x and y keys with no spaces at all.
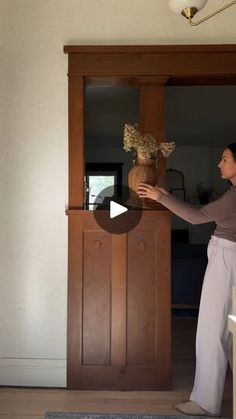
{"x":25,"y":403}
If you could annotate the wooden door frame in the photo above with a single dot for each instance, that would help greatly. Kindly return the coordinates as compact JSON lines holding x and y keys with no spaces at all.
{"x":96,"y":64}
{"x":182,"y":64}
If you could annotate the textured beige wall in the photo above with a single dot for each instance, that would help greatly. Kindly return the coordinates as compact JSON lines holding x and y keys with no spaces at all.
{"x":33,"y":159}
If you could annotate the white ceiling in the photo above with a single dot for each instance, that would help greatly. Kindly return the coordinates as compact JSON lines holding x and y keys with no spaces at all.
{"x":195,"y":115}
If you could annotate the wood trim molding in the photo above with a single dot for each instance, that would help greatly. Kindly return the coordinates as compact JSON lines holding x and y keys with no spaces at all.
{"x":94,"y":49}
{"x":179,"y":62}
{"x":76,"y":141}
{"x":153,"y":80}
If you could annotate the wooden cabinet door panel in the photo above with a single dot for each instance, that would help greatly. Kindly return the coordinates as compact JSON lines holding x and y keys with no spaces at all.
{"x":119,"y":305}
{"x":141,"y":299}
{"x":96,"y":324}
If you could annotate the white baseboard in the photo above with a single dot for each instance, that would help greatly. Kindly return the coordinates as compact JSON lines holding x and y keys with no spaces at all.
{"x":33,"y":372}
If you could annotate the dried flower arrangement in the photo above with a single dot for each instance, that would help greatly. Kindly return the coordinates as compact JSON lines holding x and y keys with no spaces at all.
{"x":145,"y":145}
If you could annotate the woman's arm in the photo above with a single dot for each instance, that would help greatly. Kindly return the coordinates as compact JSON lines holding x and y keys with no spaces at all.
{"x":221,"y":208}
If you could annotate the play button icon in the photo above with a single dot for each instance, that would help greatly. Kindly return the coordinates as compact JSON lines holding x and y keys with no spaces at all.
{"x":116,"y":209}
{"x":114,"y":212}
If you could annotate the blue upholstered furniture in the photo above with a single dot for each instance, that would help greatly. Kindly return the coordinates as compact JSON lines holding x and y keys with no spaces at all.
{"x":188,"y":265}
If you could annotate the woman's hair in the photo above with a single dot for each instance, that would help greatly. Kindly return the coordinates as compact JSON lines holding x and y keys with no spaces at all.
{"x":232,"y":148}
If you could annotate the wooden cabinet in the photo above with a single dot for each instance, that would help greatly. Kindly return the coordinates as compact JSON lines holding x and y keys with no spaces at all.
{"x":119,"y":311}
{"x":119,"y":285}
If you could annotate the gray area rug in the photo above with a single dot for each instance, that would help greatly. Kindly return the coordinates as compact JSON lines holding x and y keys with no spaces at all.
{"x":57,"y":415}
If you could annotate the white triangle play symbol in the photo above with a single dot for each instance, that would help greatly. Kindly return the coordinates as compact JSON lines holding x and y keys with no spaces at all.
{"x":116,"y":209}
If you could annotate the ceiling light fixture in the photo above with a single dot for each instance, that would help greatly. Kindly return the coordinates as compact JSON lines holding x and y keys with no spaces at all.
{"x":188,"y":8}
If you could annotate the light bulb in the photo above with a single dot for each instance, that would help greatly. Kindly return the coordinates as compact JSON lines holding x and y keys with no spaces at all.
{"x":178,"y":6}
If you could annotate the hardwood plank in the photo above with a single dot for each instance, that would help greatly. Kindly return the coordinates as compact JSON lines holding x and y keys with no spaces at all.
{"x":32,"y":403}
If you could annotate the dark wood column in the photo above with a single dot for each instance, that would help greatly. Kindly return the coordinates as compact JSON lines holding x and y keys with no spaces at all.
{"x":76,"y":105}
{"x":152,"y":113}
{"x":152,"y":120}
{"x":76,"y":141}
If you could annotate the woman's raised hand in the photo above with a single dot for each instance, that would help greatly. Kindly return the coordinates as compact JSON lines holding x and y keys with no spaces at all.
{"x":145,"y":190}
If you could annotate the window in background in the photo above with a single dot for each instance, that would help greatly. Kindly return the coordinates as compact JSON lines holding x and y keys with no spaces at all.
{"x":100,"y":176}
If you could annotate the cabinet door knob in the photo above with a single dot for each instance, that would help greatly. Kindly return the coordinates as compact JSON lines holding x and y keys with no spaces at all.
{"x":141,"y":245}
{"x":97,"y":244}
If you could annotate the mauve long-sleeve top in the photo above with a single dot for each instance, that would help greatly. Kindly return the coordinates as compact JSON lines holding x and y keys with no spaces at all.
{"x":222,"y":211}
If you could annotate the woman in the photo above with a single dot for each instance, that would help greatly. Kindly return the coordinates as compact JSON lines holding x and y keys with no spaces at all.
{"x":213,"y":340}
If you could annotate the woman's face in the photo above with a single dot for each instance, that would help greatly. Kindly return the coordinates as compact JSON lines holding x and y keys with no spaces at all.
{"x":227,"y":166}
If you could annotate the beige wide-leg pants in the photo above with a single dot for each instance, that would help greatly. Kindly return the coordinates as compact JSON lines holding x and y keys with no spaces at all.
{"x":214,"y":341}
